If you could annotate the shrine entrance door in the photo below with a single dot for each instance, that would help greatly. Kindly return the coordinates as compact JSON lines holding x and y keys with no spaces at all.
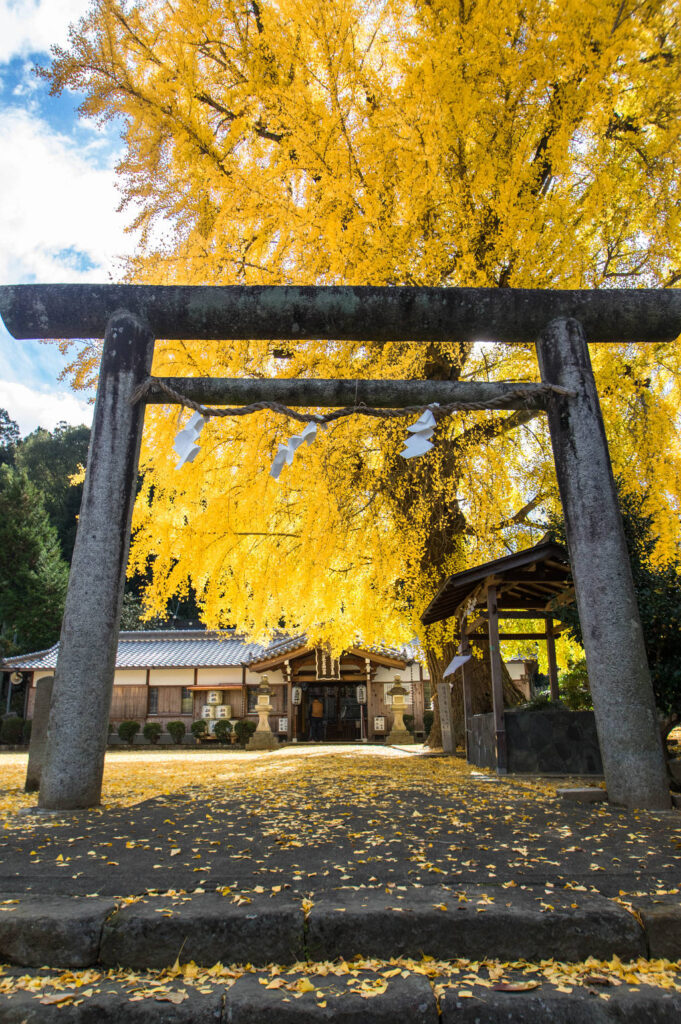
{"x":341,"y":711}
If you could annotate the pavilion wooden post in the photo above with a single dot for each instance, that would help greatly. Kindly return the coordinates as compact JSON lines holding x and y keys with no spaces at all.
{"x":466,"y":688}
{"x":288,"y":698}
{"x":551,"y":658}
{"x":497,"y":681}
{"x":83,"y":679}
{"x":624,"y":703}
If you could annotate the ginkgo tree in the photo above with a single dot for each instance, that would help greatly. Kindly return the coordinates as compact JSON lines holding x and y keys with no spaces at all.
{"x":439,"y":142}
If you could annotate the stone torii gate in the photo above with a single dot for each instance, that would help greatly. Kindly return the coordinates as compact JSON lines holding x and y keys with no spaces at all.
{"x":560,"y":322}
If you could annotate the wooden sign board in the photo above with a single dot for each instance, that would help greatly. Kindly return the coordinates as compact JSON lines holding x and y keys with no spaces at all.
{"x":446,"y":724}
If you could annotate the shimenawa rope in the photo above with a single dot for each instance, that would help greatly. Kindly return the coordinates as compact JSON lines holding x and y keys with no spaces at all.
{"x":155,"y":384}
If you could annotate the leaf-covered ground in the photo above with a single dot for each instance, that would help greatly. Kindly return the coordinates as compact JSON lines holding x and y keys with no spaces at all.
{"x":367,"y":978}
{"x":298,"y":822}
{"x":307,"y":819}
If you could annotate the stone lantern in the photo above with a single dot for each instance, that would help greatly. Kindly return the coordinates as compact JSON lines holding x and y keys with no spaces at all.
{"x":262,"y":738}
{"x":399,"y":734}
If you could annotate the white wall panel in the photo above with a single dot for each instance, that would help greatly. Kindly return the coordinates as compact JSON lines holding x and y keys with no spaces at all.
{"x":232,"y":675}
{"x":130,"y":677}
{"x":172,"y":677}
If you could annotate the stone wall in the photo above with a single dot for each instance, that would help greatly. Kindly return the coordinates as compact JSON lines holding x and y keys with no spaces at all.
{"x":555,"y":740}
{"x":481,"y":739}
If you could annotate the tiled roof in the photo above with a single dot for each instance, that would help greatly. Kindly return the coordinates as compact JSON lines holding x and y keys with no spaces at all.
{"x":280,"y":646}
{"x":33,"y":660}
{"x":283,"y":645}
{"x":191,"y":648}
{"x":161,"y":649}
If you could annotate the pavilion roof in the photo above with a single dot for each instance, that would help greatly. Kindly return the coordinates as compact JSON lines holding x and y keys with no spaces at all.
{"x":527,"y":581}
{"x":298,"y":647}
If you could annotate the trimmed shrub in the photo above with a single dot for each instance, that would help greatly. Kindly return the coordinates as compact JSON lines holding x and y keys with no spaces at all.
{"x":199,"y":728}
{"x":128,"y":730}
{"x":176,"y":730}
{"x":541,"y":702}
{"x":223,"y":728}
{"x":26,"y":735}
{"x":408,"y":722}
{"x":12,"y":731}
{"x":428,"y":717}
{"x":244,"y":729}
{"x":152,"y":731}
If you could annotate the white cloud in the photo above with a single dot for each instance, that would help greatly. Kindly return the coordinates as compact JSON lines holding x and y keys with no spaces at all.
{"x":28,"y":86}
{"x":33,"y":26}
{"x":58,"y":219}
{"x":31,"y":408}
{"x":58,"y":212}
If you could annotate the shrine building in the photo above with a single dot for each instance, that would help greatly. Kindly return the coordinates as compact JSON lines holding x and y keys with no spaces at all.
{"x":185,"y":675}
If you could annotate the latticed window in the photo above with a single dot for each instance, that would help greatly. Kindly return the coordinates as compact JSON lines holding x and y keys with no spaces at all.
{"x":152,"y":706}
{"x":187,"y":701}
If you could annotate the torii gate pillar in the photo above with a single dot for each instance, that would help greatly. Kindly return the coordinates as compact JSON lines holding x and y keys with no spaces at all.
{"x":624,"y":704}
{"x":83,"y":678}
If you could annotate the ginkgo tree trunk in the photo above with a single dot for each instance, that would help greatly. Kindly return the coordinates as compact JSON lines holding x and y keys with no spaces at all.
{"x":476,"y":142}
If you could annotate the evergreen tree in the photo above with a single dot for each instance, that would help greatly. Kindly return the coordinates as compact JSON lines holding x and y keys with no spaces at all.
{"x":49,"y":459}
{"x":33,"y":574}
{"x":9,"y":437}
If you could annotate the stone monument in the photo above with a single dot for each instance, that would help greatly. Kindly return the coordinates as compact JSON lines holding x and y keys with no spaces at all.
{"x":262,"y":738}
{"x":36,"y":750}
{"x":398,"y":734}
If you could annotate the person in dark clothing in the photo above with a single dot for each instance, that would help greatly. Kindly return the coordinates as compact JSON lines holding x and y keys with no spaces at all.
{"x":316,"y":719}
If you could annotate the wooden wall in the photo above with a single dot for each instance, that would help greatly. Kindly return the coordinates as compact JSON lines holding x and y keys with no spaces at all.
{"x":378,"y":705}
{"x":128,"y":702}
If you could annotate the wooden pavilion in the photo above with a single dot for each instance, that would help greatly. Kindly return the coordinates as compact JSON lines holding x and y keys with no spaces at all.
{"x":524,"y":585}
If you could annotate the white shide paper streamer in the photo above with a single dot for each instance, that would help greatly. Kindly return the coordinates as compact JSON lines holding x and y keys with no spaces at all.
{"x":418,"y":443}
{"x":185,"y":442}
{"x":421,"y":433}
{"x":285,"y":452}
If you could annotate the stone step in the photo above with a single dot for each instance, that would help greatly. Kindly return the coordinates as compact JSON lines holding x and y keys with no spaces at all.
{"x":471,"y":921}
{"x":369,"y":999}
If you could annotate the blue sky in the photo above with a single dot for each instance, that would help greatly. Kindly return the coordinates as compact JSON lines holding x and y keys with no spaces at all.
{"x":58,"y":219}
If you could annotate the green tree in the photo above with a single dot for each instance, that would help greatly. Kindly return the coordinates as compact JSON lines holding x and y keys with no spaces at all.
{"x":131,"y":612}
{"x":33,"y":574}
{"x":49,"y":459}
{"x":658,"y":590}
{"x":574,"y":688}
{"x":9,"y":437}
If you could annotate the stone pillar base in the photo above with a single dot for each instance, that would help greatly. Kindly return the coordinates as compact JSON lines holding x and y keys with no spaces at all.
{"x":400,"y":739}
{"x":262,"y":741}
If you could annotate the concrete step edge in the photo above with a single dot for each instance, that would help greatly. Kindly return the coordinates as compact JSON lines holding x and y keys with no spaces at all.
{"x":72,"y":932}
{"x":371,"y":998}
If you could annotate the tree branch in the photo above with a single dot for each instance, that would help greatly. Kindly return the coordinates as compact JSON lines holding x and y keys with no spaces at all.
{"x":490,"y":429}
